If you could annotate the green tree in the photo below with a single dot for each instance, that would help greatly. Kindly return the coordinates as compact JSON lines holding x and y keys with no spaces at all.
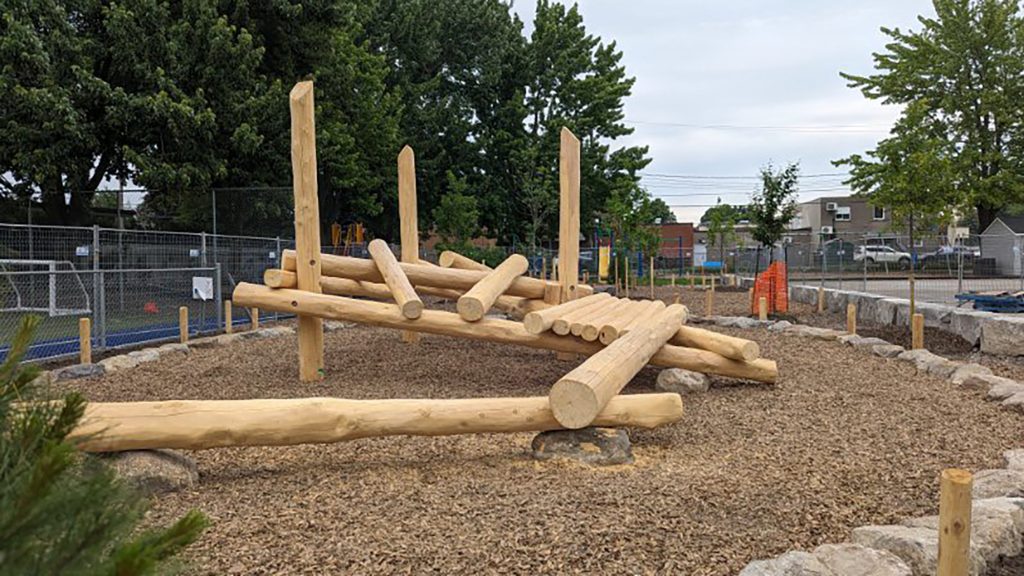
{"x":774,"y":205}
{"x":456,"y":216}
{"x":661,"y":211}
{"x":963,"y":71}
{"x":62,"y":512}
{"x":721,"y":222}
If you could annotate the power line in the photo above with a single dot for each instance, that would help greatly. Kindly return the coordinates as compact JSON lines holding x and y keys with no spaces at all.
{"x":733,"y":177}
{"x":803,"y":129}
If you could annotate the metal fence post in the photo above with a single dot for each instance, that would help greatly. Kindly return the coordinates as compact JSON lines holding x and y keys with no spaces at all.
{"x":218,"y":296}
{"x":864,"y":260}
{"x":99,"y":310}
{"x":202,"y":249}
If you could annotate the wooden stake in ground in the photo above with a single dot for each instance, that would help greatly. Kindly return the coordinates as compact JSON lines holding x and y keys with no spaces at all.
{"x":917,"y":332}
{"x":183,"y":324}
{"x":201,"y":424}
{"x":228,"y":320}
{"x":616,"y":265}
{"x":579,"y":396}
{"x":307,"y":226}
{"x":543,"y":320}
{"x":474,"y":304}
{"x":398,"y":284}
{"x":851,"y":318}
{"x":84,"y":340}
{"x":408,"y":217}
{"x":955,"y":523}
{"x":762,"y":309}
{"x":651,"y":270}
{"x":821,"y":299}
{"x":709,"y":303}
{"x":254,"y":318}
{"x":625,"y":278}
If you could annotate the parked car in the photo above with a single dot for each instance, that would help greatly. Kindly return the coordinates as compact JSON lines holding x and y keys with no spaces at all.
{"x":950,"y":255}
{"x":879,"y":254}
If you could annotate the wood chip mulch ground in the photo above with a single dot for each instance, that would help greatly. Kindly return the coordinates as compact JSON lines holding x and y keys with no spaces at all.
{"x":844,"y":439}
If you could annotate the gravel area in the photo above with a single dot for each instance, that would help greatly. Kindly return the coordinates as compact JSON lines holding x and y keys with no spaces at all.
{"x":844,"y":439}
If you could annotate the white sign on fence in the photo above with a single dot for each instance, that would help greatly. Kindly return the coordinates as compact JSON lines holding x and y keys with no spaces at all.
{"x":193,"y":252}
{"x":82,"y":250}
{"x":272,"y":255}
{"x":202,"y":288}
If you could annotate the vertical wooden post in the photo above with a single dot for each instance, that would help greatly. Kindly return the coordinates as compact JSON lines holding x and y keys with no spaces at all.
{"x":616,"y":264}
{"x":625,"y":278}
{"x":821,"y":299}
{"x":254,"y":318}
{"x":651,"y":270}
{"x":709,"y":303}
{"x":183,"y":324}
{"x":913,"y":295}
{"x":568,"y":269}
{"x":917,"y":331}
{"x":712,"y":283}
{"x":307,"y":226}
{"x":84,"y":340}
{"x":408,"y":218}
{"x":586,"y":276}
{"x":954,"y":523}
{"x":673,"y":280}
{"x":544,"y":267}
{"x":228,"y":323}
{"x":851,"y":318}
{"x":762,"y":309}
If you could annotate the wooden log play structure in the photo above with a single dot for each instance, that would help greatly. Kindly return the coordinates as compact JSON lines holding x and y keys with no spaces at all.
{"x":618,"y":335}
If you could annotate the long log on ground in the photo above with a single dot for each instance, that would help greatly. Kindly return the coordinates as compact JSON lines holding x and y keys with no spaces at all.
{"x":421,"y":275}
{"x":722,"y":344}
{"x":563,"y":325}
{"x":541,"y":321}
{"x":478,"y":300}
{"x":579,"y":396}
{"x":489,"y":329}
{"x":592,"y":316}
{"x":401,"y":290}
{"x":592,"y":326}
{"x":199,"y":424}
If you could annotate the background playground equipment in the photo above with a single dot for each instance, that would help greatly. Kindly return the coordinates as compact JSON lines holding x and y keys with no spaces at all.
{"x":308,"y":282}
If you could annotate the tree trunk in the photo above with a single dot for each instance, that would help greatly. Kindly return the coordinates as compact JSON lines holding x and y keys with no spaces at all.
{"x":986,"y":215}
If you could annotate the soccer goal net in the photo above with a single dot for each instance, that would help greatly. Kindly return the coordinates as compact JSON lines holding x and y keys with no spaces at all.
{"x":53,"y":287}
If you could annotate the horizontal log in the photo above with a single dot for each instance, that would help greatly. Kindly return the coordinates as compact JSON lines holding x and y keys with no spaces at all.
{"x":722,"y":344}
{"x":449,"y":259}
{"x":200,"y":424}
{"x":490,"y":329}
{"x":418,"y":274}
{"x":543,"y":320}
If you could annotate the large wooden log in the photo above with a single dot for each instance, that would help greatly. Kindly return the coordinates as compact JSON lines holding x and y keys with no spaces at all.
{"x":579,"y":396}
{"x":542,"y":320}
{"x":422,"y":275}
{"x":200,"y":424}
{"x":307,"y":225}
{"x":408,"y":218}
{"x":568,"y":214}
{"x":401,"y":290}
{"x":489,"y":329}
{"x":478,"y":300}
{"x":592,"y":326}
{"x":450,"y":259}
{"x":722,"y":344}
{"x":563,"y":326}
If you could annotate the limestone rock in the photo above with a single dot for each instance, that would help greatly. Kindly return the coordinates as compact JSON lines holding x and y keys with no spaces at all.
{"x":792,"y":563}
{"x":1002,"y":335}
{"x":279,"y":331}
{"x":861,"y":341}
{"x":1012,"y":508}
{"x":780,"y":325}
{"x":930,"y":363}
{"x":1015,"y":402}
{"x":115,"y":363}
{"x":935,"y":315}
{"x":967,"y":324}
{"x":154,"y":471}
{"x":917,"y":546}
{"x":738,"y":322}
{"x":885,"y":310}
{"x":1014,"y":459}
{"x":594,"y":446}
{"x":333,"y":325}
{"x":681,"y":381}
{"x":999,"y":483}
{"x":965,"y":371}
{"x":835,"y":300}
{"x":994,"y":527}
{"x":856,"y":560}
{"x":145,"y":355}
{"x":815,"y":332}
{"x":77,"y":371}
{"x":887,"y":350}
{"x":43,"y":379}
{"x":173,"y":348}
{"x":985,"y":382}
{"x":1003,"y":390}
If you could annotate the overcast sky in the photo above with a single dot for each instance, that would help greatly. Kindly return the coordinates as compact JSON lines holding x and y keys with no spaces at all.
{"x":747,"y":67}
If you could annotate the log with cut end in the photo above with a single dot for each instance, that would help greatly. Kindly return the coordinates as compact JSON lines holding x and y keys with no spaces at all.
{"x":541,"y":321}
{"x":478,"y":300}
{"x":592,"y":326}
{"x":449,"y":259}
{"x":422,"y":275}
{"x":722,"y":344}
{"x":651,"y":310}
{"x":401,"y":289}
{"x":489,"y":329}
{"x":579,"y":396}
{"x":200,"y":424}
{"x":563,"y":325}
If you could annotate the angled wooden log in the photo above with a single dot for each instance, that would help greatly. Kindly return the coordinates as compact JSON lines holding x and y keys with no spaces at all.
{"x":200,"y":424}
{"x":650,"y":313}
{"x":478,"y":300}
{"x":543,"y":320}
{"x":489,"y":329}
{"x":450,"y":259}
{"x":401,"y":289}
{"x":515,"y":306}
{"x":579,"y":396}
{"x":722,"y":344}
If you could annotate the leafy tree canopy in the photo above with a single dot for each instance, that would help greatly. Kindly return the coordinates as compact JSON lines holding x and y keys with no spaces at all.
{"x":774,"y":205}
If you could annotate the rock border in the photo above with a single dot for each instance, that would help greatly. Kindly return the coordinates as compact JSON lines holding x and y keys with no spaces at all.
{"x":911,"y":547}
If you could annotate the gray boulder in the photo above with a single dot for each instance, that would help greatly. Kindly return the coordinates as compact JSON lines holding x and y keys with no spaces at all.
{"x":779,"y":326}
{"x":836,"y":300}
{"x":965,"y":371}
{"x":1015,"y":402}
{"x":855,"y":560}
{"x":154,"y":471}
{"x":145,"y":355}
{"x":593,"y":446}
{"x":885,"y":310}
{"x":1005,"y":389}
{"x":887,"y":350}
{"x":1014,"y":460}
{"x":984,"y":381}
{"x":998,"y":483}
{"x":1002,"y":335}
{"x":77,"y":371}
{"x":967,"y":324}
{"x":861,"y":341}
{"x":173,"y":348}
{"x":115,"y":363}
{"x":792,"y":563}
{"x":917,"y":546}
{"x":935,"y":315}
{"x":815,"y":332}
{"x":994,"y":530}
{"x":682,"y":381}
{"x":930,"y":363}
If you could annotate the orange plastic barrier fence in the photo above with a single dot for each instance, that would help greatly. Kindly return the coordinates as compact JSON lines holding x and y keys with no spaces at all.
{"x":773,"y":285}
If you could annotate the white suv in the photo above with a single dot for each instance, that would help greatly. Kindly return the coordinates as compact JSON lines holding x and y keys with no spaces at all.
{"x":876,"y":253}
